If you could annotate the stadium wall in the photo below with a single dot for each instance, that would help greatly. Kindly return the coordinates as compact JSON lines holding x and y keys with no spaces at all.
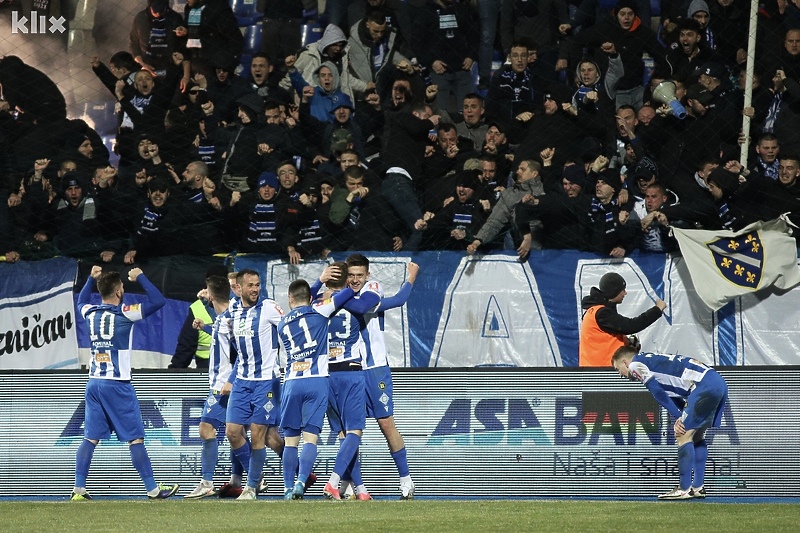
{"x":469,"y":433}
{"x":464,"y":311}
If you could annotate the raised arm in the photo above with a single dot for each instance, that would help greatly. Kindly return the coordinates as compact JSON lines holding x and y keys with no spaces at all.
{"x":86,"y":292}
{"x":399,"y":299}
{"x":155,"y":300}
{"x":330,"y":272}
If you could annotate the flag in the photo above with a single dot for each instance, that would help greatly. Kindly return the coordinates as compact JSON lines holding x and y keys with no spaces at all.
{"x":727,"y":264}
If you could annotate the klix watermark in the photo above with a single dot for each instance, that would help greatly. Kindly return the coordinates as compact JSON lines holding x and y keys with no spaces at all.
{"x":39,"y":24}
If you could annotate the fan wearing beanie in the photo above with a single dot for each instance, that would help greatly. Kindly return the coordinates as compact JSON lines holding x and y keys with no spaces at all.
{"x":603,"y":329}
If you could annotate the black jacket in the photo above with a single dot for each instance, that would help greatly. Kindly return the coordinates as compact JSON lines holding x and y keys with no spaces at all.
{"x":610,"y":321}
{"x":630,"y":44}
{"x":158,"y":57}
{"x":404,"y":141}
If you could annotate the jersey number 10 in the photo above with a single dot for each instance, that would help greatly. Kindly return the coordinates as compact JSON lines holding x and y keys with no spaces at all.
{"x":105,"y":329}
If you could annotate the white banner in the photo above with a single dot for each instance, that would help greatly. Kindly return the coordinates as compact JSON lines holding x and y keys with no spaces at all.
{"x":38,"y":330}
{"x":493,"y":316}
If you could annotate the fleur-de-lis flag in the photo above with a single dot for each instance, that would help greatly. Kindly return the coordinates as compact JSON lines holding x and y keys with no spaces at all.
{"x":726,"y":264}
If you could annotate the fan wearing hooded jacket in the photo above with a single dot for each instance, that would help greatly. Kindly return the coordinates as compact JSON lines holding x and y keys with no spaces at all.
{"x":630,"y":38}
{"x":324,"y":95}
{"x":332,"y":47}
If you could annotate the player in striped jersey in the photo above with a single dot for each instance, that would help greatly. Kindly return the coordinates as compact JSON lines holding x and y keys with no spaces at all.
{"x":255,"y":396}
{"x":378,"y":375}
{"x":351,"y":478}
{"x":346,"y":400}
{"x":304,"y":334}
{"x":694,"y":394}
{"x":110,"y":399}
{"x":220,"y":380}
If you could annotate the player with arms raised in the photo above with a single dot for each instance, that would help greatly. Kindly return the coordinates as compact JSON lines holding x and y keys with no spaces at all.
{"x":111,"y":402}
{"x":378,"y":376}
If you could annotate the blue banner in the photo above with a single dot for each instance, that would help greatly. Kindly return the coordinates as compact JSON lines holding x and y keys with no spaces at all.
{"x":464,"y":311}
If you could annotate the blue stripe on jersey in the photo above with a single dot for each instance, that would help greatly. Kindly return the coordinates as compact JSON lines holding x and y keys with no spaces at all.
{"x":111,"y":337}
{"x":304,"y":334}
{"x":258,"y":354}
{"x":219,"y":354}
{"x":254,"y":332}
{"x":343,"y":338}
{"x":675,"y":373}
{"x":369,"y":360}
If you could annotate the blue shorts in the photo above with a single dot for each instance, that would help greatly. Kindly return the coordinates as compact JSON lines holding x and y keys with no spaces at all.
{"x":347,"y":409}
{"x":304,"y":403}
{"x":215,"y":409}
{"x":378,"y":388}
{"x":706,"y":402}
{"x":111,"y":405}
{"x":255,"y":402}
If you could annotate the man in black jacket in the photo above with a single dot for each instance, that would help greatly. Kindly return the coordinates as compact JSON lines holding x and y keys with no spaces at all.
{"x":210,"y":27}
{"x":445,"y":39}
{"x":153,"y":39}
{"x":403,"y":151}
{"x":603,"y":329}
{"x":360,"y":218}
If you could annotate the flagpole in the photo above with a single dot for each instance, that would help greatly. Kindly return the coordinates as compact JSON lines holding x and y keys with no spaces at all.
{"x":748,"y":87}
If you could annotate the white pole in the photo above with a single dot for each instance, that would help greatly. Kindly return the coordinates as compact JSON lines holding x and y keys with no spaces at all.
{"x":748,"y":88}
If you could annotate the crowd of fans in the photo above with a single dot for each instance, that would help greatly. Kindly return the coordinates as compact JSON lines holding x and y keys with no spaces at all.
{"x":392,"y":132}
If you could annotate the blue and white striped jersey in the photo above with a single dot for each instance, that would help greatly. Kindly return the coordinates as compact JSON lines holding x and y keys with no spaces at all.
{"x":371,"y":326}
{"x":111,"y":329}
{"x":344,"y":338}
{"x":111,"y":336}
{"x":676,"y":374}
{"x":304,"y":334}
{"x":219,"y":355}
{"x":254,"y":336}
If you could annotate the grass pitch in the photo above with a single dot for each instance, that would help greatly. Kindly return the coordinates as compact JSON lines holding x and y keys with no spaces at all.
{"x":177,"y":516}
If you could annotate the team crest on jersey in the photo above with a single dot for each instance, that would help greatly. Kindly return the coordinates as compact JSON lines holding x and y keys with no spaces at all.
{"x":269,"y":406}
{"x":132,"y":307}
{"x":740,"y":259}
{"x":381,"y":385}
